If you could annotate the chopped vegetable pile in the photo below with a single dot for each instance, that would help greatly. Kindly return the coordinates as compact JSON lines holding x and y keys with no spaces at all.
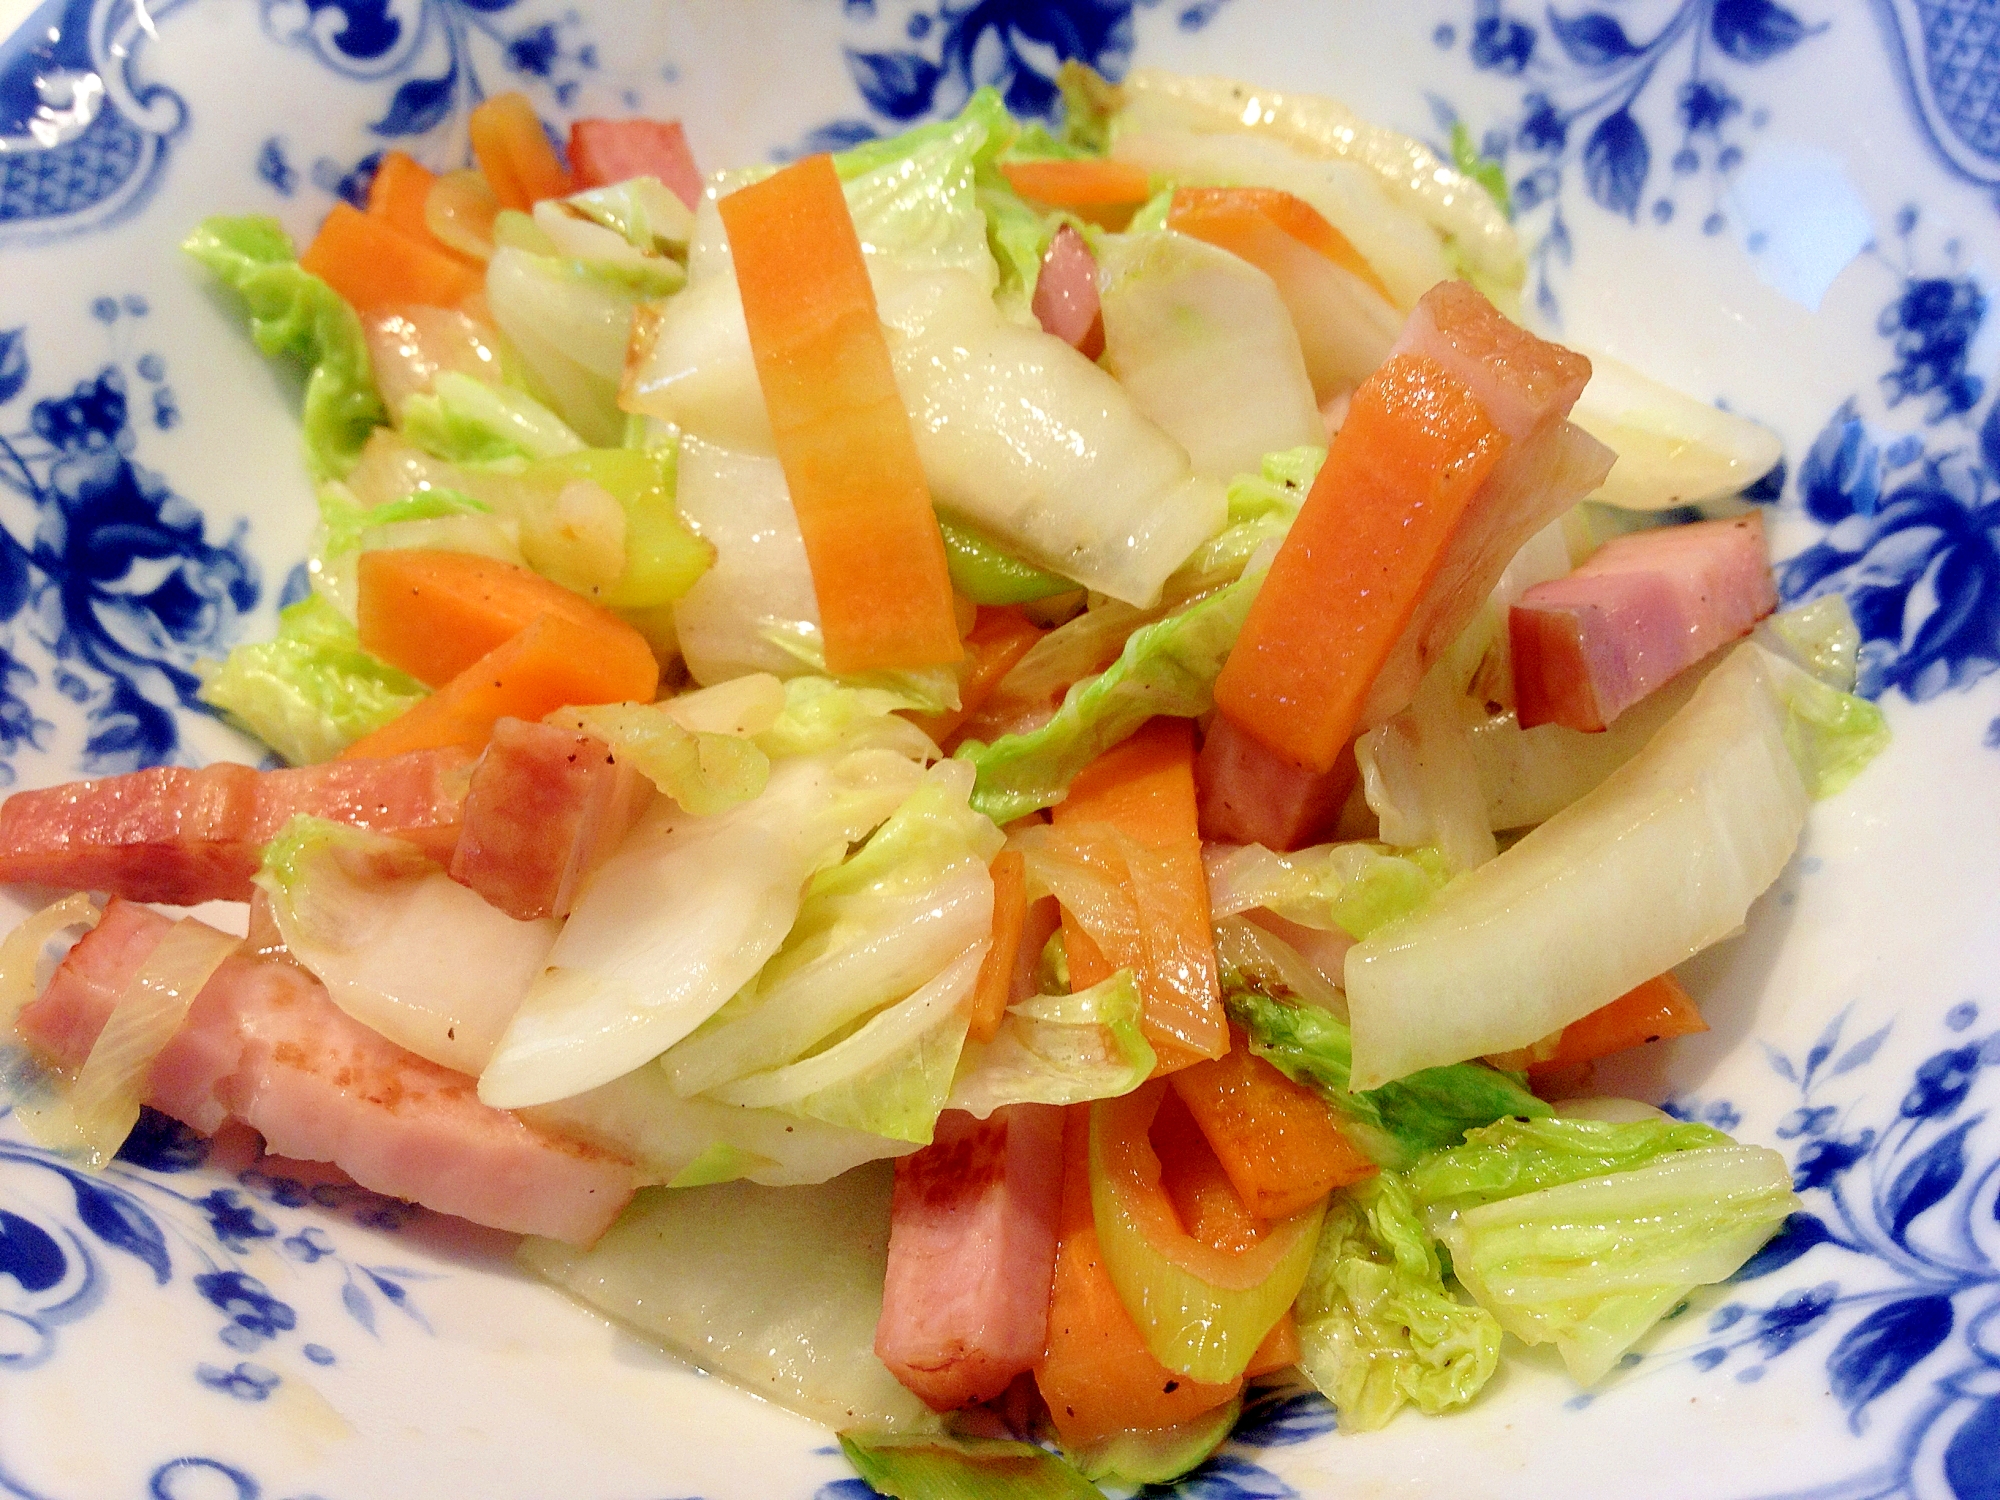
{"x":1006,"y":779}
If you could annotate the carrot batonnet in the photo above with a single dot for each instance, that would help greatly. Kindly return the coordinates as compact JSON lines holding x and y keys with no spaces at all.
{"x":842,"y":432}
{"x":996,"y":973}
{"x":433,"y":614}
{"x":1096,"y":1374}
{"x":1402,"y":471}
{"x":1144,"y":789}
{"x":1279,"y":1351}
{"x":554,"y":662}
{"x":374,"y":264}
{"x":999,"y":637}
{"x":1092,"y":182}
{"x":514,"y":152}
{"x":401,"y":188}
{"x":1239,"y":220}
{"x":1657,"y":1009}
{"x":1278,"y":1141}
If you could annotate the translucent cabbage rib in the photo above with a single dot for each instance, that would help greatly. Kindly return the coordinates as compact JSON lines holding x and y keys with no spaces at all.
{"x":310,"y":691}
{"x":296,"y":315}
{"x":401,"y":946}
{"x":679,"y":918}
{"x":1658,"y":862}
{"x":1377,"y":1329}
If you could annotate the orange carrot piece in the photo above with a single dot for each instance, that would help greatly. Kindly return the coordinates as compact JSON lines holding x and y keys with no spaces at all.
{"x":995,"y":984}
{"x":842,"y":432}
{"x":373,"y":264}
{"x":1096,"y":1374}
{"x":1144,"y":788}
{"x":514,"y":152}
{"x":401,"y":187}
{"x":1279,"y":1351}
{"x":1278,"y":1142}
{"x":1095,"y":182}
{"x":554,"y":662}
{"x":999,"y":637}
{"x":1402,"y":471}
{"x":1657,"y":1009}
{"x":1204,"y":1199}
{"x":433,"y":614}
{"x":1237,"y":219}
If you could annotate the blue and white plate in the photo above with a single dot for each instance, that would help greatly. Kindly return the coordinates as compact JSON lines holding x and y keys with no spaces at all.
{"x":1786,"y":207}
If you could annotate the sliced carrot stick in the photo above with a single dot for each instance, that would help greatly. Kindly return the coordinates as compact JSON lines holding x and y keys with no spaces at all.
{"x":373,"y":264}
{"x":1403,"y":469}
{"x":1094,"y":182}
{"x":433,"y":614}
{"x":1237,"y":219}
{"x":996,"y":974}
{"x":401,"y":187}
{"x":1097,"y":1375}
{"x":1000,"y":637}
{"x":1204,"y":1199}
{"x":1657,"y":1009}
{"x":1279,"y":1351}
{"x":1278,"y":1142}
{"x":842,"y":433}
{"x":554,"y":662}
{"x":1144,"y":789}
{"x":514,"y":152}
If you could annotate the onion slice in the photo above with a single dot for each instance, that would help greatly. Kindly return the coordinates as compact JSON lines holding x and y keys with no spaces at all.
{"x":21,"y":953}
{"x":94,"y":1115}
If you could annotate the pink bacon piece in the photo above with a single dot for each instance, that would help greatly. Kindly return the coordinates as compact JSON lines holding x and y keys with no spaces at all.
{"x":1527,"y":387}
{"x":183,"y":837}
{"x":265,"y":1045}
{"x":546,"y":806}
{"x":1249,"y":794}
{"x":972,"y":1247}
{"x":1643,"y":609}
{"x":1066,"y":294}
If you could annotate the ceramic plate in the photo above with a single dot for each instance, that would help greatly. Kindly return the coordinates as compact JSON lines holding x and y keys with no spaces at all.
{"x":1783,"y":207}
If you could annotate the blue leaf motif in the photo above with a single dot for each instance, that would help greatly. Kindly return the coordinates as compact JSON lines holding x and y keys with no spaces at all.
{"x":1279,"y":1419}
{"x":1989,"y":439}
{"x":418,"y":105}
{"x":900,"y":85}
{"x":120,"y":1223}
{"x":1798,"y":1234}
{"x":13,"y":362}
{"x":1876,"y":1353}
{"x":1616,"y":160}
{"x":1970,"y":1468}
{"x":1862,"y":1052}
{"x":1822,"y":1048}
{"x":1926,"y":1181}
{"x":846,"y":1489}
{"x":1755,"y":31}
{"x":358,"y":1306}
{"x":1227,"y":1477}
{"x":1780,"y":1064}
{"x":29,"y":1254}
{"x":1592,"y":39}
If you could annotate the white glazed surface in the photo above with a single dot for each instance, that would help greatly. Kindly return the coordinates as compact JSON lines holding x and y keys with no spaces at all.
{"x":228,"y":1330}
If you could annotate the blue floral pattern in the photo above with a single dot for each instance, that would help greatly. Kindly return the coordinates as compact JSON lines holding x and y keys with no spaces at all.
{"x":57,"y":1269}
{"x":119,"y":587}
{"x":932,"y":57}
{"x":1901,"y":1229}
{"x":82,"y":140}
{"x":1913,"y":518}
{"x":1649,"y":121}
{"x":440,"y":55}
